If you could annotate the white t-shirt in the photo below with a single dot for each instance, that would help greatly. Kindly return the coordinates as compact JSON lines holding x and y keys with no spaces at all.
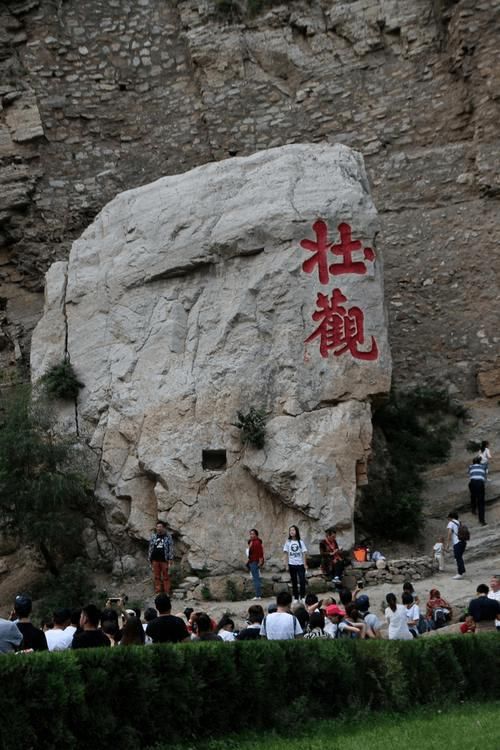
{"x":295,"y":551}
{"x":494,"y":595}
{"x":485,"y":456}
{"x":226,"y":635}
{"x":58,"y":640}
{"x":398,"y":624}
{"x":454,"y":525}
{"x":438,"y":549}
{"x":280,"y":626}
{"x":413,"y":614}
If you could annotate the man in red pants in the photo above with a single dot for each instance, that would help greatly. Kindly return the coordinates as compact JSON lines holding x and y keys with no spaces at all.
{"x":161,"y":553}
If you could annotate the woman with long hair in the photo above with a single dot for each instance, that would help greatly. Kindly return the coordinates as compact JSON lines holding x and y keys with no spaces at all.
{"x":296,"y":558}
{"x":395,"y":614}
{"x":133,"y":633}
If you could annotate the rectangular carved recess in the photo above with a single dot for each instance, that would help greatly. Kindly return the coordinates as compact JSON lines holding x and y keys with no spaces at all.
{"x":214,"y":460}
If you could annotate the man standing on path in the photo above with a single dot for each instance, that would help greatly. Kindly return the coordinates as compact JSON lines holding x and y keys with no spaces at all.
{"x":255,"y":561}
{"x":477,"y":477}
{"x":161,"y":553}
{"x":459,"y":545}
{"x":281,"y":625}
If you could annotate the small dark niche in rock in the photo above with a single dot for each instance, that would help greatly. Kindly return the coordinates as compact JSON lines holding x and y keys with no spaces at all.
{"x":214,"y":460}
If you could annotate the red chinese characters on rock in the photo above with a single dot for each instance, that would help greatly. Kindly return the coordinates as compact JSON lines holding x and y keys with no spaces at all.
{"x":340,"y":329}
{"x":345,"y":248}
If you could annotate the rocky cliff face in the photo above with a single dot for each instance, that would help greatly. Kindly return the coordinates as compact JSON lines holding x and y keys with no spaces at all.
{"x":107,"y":95}
{"x":249,"y":282}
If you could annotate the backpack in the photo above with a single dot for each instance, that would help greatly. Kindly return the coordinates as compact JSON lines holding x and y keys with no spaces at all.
{"x":463,"y":532}
{"x":440,"y":617}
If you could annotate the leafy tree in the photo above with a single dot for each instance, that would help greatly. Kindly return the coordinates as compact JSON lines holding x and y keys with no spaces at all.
{"x":43,"y":497}
{"x":412,"y":431}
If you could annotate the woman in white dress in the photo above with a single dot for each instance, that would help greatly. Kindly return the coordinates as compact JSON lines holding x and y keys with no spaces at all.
{"x":395,"y":615}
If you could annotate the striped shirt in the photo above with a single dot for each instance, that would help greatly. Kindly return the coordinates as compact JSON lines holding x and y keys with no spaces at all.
{"x":477,"y":471}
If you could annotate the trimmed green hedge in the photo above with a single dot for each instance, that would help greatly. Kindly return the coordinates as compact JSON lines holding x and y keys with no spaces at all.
{"x":137,"y":697}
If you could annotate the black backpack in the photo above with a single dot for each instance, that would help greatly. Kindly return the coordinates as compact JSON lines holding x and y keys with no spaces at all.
{"x":463,"y":532}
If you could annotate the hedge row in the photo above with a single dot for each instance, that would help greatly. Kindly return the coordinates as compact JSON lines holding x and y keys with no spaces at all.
{"x":136,"y":697}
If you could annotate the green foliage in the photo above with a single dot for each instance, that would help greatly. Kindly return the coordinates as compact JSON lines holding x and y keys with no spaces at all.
{"x":473,"y":446}
{"x":253,"y":427}
{"x":60,"y":381}
{"x":233,"y":593}
{"x":206,"y":594}
{"x":42,"y":496}
{"x":72,"y":587}
{"x":91,"y":697}
{"x":412,"y":431}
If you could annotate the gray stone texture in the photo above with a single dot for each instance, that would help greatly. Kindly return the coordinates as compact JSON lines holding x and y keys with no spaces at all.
{"x":105,"y":95}
{"x":187,"y":301}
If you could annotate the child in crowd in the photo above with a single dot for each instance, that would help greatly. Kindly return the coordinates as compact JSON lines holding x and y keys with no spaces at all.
{"x":468,"y":626}
{"x":438,"y":550}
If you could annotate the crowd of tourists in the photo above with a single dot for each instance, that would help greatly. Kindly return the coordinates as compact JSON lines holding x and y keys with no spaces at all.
{"x":347,"y":614}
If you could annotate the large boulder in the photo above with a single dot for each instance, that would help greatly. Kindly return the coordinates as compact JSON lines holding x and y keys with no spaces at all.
{"x":191,"y":298}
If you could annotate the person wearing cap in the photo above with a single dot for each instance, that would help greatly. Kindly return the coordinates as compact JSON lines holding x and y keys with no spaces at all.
{"x":335,"y":625}
{"x":33,"y":638}
{"x":10,"y":636}
{"x":362,"y":603}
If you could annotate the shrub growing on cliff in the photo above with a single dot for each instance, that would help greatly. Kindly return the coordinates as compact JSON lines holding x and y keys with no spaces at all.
{"x":253,"y":427}
{"x":60,"y":381}
{"x":412,"y":430}
{"x":42,"y":495}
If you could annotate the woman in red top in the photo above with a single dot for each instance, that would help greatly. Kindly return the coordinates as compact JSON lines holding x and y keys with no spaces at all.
{"x":255,"y":561}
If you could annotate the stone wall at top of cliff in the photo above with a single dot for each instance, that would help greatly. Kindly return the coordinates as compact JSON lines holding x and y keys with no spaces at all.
{"x":106,"y":95}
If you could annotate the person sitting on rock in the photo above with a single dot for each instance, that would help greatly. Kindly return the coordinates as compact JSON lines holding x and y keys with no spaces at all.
{"x":332,"y":562}
{"x":437,"y":610}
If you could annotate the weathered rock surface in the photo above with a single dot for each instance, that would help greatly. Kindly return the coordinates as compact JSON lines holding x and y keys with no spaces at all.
{"x":186,"y":301}
{"x":129,"y":92}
